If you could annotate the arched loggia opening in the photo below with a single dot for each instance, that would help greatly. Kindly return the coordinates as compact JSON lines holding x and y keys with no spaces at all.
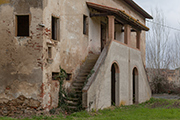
{"x":114,"y":84}
{"x":135,"y":85}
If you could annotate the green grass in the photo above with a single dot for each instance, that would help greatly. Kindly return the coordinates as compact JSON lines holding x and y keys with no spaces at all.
{"x":155,"y":109}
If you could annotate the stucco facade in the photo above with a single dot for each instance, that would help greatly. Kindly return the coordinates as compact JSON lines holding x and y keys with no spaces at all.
{"x":56,"y":38}
{"x":99,"y":93}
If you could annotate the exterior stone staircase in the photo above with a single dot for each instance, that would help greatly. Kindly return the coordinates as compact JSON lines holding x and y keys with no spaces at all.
{"x":75,"y":102}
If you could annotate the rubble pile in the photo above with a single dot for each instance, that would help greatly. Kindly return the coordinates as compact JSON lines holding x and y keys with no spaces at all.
{"x":19,"y":106}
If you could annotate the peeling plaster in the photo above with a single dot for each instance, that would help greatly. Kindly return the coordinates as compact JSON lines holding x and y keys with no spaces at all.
{"x":24,"y":63}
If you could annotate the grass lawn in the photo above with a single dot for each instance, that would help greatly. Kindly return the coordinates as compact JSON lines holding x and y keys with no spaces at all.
{"x":155,"y":109}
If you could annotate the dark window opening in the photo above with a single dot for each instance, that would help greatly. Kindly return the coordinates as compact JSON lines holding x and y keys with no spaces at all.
{"x":134,"y":86}
{"x":69,"y":76}
{"x":49,"y":52}
{"x":113,"y":84}
{"x":103,"y":36}
{"x":85,"y":25}
{"x":114,"y":35}
{"x":23,"y":25}
{"x":115,"y":30}
{"x":55,"y":75}
{"x":54,"y":28}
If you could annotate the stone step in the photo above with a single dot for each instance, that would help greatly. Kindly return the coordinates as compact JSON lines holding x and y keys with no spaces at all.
{"x":87,"y":70}
{"x":72,"y":103}
{"x":78,"y":91}
{"x":78,"y":84}
{"x":77,"y":87}
{"x":77,"y":95}
{"x":83,"y":74}
{"x":72,"y":99}
{"x":90,"y":66}
{"x":87,"y":67}
{"x":88,"y":61}
{"x":80,"y":80}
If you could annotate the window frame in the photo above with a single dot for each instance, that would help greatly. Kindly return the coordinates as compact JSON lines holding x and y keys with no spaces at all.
{"x":57,"y":27}
{"x":49,"y":56}
{"x":85,"y":24}
{"x":16,"y":24}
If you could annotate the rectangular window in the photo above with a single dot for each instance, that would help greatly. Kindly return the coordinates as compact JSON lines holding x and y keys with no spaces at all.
{"x":55,"y":28}
{"x":22,"y":25}
{"x":85,"y":25}
{"x":49,"y":52}
{"x":69,"y":76}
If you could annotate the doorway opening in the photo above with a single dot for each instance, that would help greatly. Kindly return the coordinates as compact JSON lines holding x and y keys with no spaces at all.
{"x":103,"y":36}
{"x":135,"y":85}
{"x":114,"y":84}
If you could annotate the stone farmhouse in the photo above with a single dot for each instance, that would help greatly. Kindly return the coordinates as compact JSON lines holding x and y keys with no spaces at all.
{"x":104,"y":38}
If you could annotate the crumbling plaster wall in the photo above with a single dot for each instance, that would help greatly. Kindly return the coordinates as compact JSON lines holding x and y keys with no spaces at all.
{"x":99,"y":93}
{"x":74,"y":46}
{"x":21,"y":57}
{"x":71,"y":48}
{"x":24,"y":67}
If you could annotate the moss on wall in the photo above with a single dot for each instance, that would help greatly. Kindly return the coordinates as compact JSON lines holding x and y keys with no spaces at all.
{"x":4,"y":1}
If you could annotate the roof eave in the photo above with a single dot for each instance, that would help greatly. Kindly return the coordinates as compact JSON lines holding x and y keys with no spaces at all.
{"x":118,"y":12}
{"x":138,"y":9}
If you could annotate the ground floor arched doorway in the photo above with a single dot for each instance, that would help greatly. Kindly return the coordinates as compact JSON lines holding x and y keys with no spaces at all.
{"x":135,"y":85}
{"x":114,"y":84}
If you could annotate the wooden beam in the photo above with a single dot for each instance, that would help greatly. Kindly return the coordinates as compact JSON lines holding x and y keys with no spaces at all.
{"x":98,"y":14}
{"x":132,"y":30}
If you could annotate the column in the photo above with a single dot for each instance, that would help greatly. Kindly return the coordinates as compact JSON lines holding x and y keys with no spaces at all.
{"x":127,"y":34}
{"x":111,"y":27}
{"x":138,"y":39}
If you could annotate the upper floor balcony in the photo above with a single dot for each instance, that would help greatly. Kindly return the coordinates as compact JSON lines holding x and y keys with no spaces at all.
{"x":121,"y":26}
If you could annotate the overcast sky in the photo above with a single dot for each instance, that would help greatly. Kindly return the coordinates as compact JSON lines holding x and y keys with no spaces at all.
{"x":170,"y":8}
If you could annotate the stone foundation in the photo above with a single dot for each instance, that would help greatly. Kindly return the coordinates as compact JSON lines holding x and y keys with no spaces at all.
{"x":19,"y":106}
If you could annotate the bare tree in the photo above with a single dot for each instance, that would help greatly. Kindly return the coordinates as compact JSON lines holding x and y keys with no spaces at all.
{"x":176,"y":51}
{"x":158,"y":50}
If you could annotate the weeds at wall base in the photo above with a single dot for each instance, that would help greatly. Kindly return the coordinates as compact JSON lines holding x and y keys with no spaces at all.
{"x":64,"y":96}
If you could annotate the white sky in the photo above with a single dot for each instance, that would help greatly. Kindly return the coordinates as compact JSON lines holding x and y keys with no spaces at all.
{"x":170,"y":8}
